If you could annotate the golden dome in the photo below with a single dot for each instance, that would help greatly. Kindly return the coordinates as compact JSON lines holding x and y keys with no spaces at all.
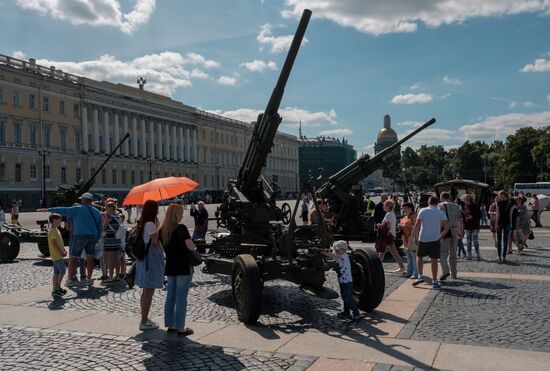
{"x":387,"y":134}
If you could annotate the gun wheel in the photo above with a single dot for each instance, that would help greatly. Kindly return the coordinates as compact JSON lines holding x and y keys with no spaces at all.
{"x":43,"y":247}
{"x":287,"y":213}
{"x":368,"y":279}
{"x":9,"y":247}
{"x":247,"y":288}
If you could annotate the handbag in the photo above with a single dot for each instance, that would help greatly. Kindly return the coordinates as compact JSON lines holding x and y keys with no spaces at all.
{"x":531,"y":235}
{"x":130,"y":276}
{"x":196,"y":258}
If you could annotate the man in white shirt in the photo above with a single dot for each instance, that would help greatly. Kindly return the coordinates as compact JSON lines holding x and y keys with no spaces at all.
{"x":453,"y":212}
{"x":428,"y":235}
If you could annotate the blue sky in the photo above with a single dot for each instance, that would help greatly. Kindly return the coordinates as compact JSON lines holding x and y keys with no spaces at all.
{"x":482,"y":71}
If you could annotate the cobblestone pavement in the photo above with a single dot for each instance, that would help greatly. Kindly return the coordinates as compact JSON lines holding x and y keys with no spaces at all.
{"x":24,"y":275}
{"x":285,"y":305}
{"x":33,"y":349}
{"x":503,"y":313}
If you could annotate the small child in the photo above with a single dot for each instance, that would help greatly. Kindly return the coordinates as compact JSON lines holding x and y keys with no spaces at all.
{"x":345,"y":280}
{"x":57,"y":252}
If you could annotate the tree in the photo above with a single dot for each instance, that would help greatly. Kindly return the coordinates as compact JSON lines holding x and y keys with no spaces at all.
{"x":516,"y":162}
{"x":541,"y":155}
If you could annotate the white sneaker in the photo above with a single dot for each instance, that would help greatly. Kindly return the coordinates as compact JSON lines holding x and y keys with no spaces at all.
{"x":399,"y":270}
{"x":149,"y":325}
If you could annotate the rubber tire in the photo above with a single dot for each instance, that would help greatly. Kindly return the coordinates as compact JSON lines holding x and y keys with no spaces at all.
{"x":44,"y":249}
{"x":249,"y":310}
{"x":374,"y":283}
{"x":287,"y":213}
{"x":9,"y":247}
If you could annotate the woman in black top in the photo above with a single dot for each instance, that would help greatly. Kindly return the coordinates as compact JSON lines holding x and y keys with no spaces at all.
{"x":177,"y":244}
{"x":503,"y":222}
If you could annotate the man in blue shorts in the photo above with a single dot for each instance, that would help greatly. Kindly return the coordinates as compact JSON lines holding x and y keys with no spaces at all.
{"x":87,"y":229}
{"x":430,"y":228}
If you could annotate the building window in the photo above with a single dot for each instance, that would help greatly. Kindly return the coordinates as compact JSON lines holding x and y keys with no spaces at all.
{"x":141,"y":178}
{"x":61,"y":107}
{"x":133,"y":177}
{"x":206,"y":180}
{"x":2,"y":172}
{"x":2,"y":130}
{"x":17,"y":132}
{"x":46,"y":104}
{"x":76,"y":110}
{"x":46,"y":130}
{"x":78,"y":174}
{"x":77,"y":141}
{"x":17,"y":99}
{"x":32,"y":101}
{"x":103,"y":176}
{"x":32,"y":134}
{"x":63,"y":139}
{"x":63,"y":174}
{"x":47,"y":173}
{"x":123,"y":176}
{"x":18,"y":173}
{"x":33,"y":172}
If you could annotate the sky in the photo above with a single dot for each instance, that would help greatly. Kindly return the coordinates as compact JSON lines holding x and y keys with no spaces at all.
{"x":481,"y":68}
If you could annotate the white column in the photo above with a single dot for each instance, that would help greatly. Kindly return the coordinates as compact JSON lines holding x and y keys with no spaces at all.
{"x":116,"y":136}
{"x":195,"y":145}
{"x":106,"y":135}
{"x":126,"y":145}
{"x":85,"y":144}
{"x":160,"y":152}
{"x":187,"y":145}
{"x":181,"y":155}
{"x":143,"y":152}
{"x":166,"y":142}
{"x":134,"y":137}
{"x":174,"y":154}
{"x":151,"y":140}
{"x":96,"y":131}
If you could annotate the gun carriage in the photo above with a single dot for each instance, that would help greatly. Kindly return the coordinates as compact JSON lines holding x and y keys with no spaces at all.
{"x":67,"y":195}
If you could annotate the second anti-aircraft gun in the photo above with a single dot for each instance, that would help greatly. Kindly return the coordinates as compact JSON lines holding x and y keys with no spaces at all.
{"x":260,"y":246}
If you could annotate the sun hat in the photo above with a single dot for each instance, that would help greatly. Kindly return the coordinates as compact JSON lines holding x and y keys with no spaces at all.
{"x":86,"y":195}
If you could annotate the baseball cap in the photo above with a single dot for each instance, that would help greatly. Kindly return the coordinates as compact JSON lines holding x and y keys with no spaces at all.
{"x":86,"y":195}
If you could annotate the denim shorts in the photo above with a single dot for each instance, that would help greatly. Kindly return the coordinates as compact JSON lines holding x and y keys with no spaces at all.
{"x":59,"y":267}
{"x":83,"y":243}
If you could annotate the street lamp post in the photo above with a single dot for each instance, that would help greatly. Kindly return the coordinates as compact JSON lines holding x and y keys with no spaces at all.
{"x":217,"y":177}
{"x":43,"y":153}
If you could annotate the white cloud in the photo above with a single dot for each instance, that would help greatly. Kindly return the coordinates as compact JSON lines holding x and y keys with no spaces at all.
{"x":227,"y":80}
{"x":451,"y":80}
{"x":165,"y":72}
{"x":528,"y":104}
{"x":512,"y":105}
{"x":277,"y":43}
{"x":412,"y":98}
{"x":259,"y":65}
{"x":540,"y":65}
{"x":19,"y":54}
{"x":94,"y":12}
{"x":291,"y":116}
{"x":337,"y":132}
{"x":499,"y":127}
{"x":430,"y":137}
{"x":417,"y":86}
{"x":410,"y":123}
{"x":379,"y":17}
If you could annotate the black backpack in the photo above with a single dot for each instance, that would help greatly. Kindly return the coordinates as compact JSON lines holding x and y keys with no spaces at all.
{"x":135,"y":246}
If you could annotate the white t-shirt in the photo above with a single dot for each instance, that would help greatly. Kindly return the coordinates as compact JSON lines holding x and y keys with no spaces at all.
{"x":345,"y":268}
{"x":392,"y":221}
{"x":149,"y":229}
{"x":431,"y":218}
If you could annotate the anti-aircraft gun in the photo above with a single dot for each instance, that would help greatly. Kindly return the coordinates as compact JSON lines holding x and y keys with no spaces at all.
{"x":349,"y":223}
{"x":259,"y":246}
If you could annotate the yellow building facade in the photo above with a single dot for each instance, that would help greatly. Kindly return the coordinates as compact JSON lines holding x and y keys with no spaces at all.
{"x":57,"y":128}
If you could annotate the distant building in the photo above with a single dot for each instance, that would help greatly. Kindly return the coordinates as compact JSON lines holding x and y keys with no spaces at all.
{"x":386,"y":137}
{"x":57,"y":128}
{"x":331,"y":154}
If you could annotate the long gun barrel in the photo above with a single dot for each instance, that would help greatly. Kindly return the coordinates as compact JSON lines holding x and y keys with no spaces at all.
{"x":86,"y":186}
{"x":364,"y":166}
{"x":267,"y":124}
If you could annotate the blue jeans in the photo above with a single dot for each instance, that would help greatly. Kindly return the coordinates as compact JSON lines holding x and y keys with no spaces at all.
{"x":198,"y":235}
{"x":503,"y":234}
{"x":346,"y":291}
{"x":86,"y":243}
{"x":460,"y":247}
{"x":175,"y":307}
{"x":412,"y":269}
{"x":472,"y":236}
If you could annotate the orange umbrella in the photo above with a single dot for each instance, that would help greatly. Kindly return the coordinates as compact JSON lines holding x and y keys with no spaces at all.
{"x":159,"y":189}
